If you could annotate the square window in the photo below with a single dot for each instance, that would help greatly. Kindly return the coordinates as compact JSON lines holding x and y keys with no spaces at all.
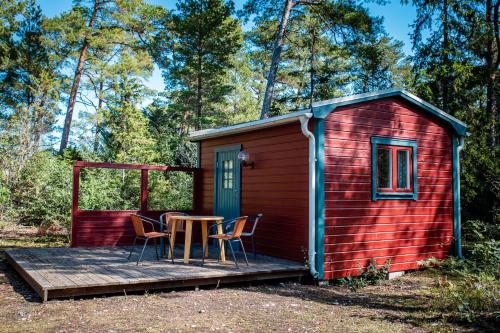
{"x":394,"y":168}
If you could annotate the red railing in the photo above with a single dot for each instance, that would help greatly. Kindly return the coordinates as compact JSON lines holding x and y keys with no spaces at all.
{"x":112,"y":227}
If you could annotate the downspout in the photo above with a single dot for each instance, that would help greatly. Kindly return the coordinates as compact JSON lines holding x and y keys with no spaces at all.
{"x":304,"y":121}
{"x":458,"y":227}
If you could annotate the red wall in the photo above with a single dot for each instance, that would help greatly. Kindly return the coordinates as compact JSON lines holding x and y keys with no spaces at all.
{"x":404,"y":231}
{"x":276,"y":187}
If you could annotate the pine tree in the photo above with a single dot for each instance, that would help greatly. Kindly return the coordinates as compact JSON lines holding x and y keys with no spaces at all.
{"x":203,"y":47}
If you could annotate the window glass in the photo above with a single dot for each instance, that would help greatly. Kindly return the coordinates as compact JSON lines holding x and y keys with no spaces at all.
{"x":227,"y":174}
{"x":403,"y":169}
{"x":384,"y":174}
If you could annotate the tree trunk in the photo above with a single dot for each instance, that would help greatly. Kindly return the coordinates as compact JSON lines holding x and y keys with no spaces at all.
{"x":199,"y":93}
{"x":277,"y":48}
{"x":492,"y":63}
{"x":76,"y":82}
{"x":312,"y":72}
{"x":98,"y":115}
{"x":445,"y":84}
{"x":199,"y":81}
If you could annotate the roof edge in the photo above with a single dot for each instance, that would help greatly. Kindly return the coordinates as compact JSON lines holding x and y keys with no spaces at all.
{"x":246,"y":127}
{"x":324,"y":108}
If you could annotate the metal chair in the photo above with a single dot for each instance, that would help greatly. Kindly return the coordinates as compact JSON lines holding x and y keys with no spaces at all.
{"x":251,"y":234}
{"x":239,"y":225}
{"x":165,"y":224}
{"x":138,"y":223}
{"x":165,"y":221}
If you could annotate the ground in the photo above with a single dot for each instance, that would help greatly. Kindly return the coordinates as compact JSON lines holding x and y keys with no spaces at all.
{"x":400,"y":305}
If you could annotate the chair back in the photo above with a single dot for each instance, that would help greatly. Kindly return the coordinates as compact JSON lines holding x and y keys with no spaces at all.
{"x":165,"y":218}
{"x":239,"y":225}
{"x":138,"y":226}
{"x":257,"y":219}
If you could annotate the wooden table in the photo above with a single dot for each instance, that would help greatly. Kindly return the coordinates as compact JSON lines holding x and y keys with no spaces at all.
{"x":174,"y":219}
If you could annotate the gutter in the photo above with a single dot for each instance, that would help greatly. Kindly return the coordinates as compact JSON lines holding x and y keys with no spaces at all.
{"x":304,"y":121}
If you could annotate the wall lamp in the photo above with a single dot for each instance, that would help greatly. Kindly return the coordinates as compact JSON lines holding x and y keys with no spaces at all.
{"x":244,"y":158}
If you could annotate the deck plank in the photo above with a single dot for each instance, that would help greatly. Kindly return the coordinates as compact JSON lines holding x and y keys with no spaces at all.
{"x":65,"y":272}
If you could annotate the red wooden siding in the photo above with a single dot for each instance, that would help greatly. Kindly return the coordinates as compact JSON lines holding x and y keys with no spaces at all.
{"x":404,"y":231}
{"x":276,"y":187}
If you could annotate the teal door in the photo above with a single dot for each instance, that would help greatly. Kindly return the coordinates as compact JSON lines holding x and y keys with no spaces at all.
{"x":227,"y":182}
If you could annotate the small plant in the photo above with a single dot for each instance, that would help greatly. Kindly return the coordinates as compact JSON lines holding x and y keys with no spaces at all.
{"x":305,"y":253}
{"x":354,"y":283}
{"x":372,"y":275}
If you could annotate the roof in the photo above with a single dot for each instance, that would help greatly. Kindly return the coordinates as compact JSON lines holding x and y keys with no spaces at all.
{"x":323,"y":108}
{"x":246,"y":127}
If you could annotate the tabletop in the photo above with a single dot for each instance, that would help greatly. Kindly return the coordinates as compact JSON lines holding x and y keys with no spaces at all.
{"x":196,"y":217}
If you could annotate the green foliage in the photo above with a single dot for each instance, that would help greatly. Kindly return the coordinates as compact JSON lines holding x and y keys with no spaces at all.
{"x":109,"y":189}
{"x":371,"y":275}
{"x":332,"y":48}
{"x":170,"y":191}
{"x":42,"y":194}
{"x":469,"y":297}
{"x":204,"y":42}
{"x":469,"y":289}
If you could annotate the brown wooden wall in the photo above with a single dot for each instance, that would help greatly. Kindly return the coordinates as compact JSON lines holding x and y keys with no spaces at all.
{"x":276,"y":187}
{"x":404,"y":231}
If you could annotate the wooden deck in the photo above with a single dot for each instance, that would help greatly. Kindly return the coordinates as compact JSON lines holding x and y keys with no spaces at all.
{"x":68,"y":272}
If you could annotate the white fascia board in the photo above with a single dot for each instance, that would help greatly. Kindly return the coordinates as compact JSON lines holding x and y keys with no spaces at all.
{"x":246,"y":127}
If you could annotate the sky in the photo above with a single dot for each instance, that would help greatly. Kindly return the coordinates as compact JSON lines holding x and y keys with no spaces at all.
{"x":397,"y":20}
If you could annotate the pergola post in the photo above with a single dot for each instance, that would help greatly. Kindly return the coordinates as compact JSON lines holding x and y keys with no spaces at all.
{"x":74,"y":208}
{"x":144,"y":190}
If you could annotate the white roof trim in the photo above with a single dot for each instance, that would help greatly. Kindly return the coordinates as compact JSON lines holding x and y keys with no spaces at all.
{"x":246,"y":127}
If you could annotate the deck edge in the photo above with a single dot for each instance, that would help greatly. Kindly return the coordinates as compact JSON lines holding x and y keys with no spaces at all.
{"x":39,"y":289}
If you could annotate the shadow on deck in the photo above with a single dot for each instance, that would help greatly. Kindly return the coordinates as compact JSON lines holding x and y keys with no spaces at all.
{"x":68,"y":272}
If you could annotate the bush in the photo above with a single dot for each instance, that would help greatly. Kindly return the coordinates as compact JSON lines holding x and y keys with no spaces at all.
{"x":469,"y":297}
{"x":469,"y":288}
{"x":42,"y":194}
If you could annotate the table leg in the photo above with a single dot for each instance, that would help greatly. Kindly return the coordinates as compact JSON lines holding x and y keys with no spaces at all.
{"x":187,"y":241}
{"x":172,"y":237}
{"x":221,"y":243}
{"x":204,"y":237}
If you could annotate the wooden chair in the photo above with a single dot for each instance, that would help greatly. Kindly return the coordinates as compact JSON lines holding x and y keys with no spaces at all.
{"x":138,"y":222}
{"x":239,"y":225}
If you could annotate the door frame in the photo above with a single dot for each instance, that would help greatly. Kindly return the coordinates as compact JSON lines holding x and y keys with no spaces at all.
{"x":221,"y":149}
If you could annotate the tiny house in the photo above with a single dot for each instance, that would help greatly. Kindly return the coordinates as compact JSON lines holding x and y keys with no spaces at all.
{"x":369,"y":176}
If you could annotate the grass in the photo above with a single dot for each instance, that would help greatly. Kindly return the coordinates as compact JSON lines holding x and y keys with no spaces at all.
{"x":400,"y":305}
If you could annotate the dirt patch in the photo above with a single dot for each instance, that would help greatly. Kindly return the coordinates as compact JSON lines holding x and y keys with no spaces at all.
{"x":394,"y":306}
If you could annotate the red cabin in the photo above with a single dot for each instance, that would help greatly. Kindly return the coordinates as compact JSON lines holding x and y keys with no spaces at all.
{"x":370,"y":176}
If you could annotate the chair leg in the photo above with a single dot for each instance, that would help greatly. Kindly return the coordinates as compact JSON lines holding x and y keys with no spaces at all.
{"x":171,"y":249}
{"x":244,"y":252}
{"x":156,"y":249}
{"x":203,"y":252}
{"x":219,"y":252}
{"x":132,"y":249}
{"x":254,"y":248}
{"x":232,"y":252}
{"x":143,"y":248}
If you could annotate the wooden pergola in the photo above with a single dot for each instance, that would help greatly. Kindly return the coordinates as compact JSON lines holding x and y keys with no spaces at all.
{"x":111,"y":227}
